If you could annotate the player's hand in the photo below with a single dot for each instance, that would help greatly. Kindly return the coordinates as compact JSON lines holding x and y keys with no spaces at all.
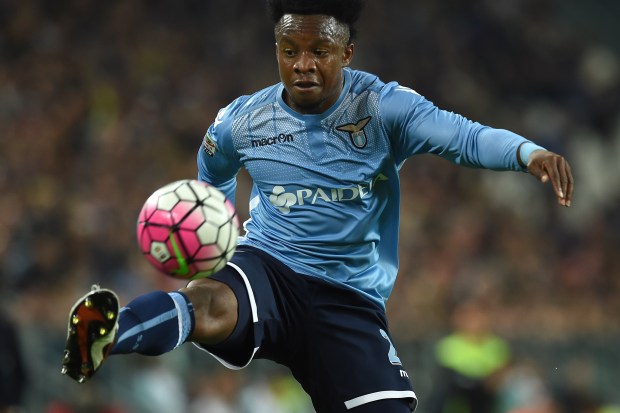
{"x":549,"y":166}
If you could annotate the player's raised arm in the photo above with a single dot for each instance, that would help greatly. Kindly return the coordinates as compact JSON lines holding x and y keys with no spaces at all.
{"x":549,"y":166}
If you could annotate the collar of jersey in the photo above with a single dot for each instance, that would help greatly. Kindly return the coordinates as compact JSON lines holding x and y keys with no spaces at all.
{"x":317,"y":116}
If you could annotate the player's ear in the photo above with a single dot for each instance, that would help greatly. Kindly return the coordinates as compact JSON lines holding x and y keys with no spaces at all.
{"x":347,"y":54}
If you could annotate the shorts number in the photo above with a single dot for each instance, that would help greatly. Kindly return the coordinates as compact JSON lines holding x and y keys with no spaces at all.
{"x":392,"y":352}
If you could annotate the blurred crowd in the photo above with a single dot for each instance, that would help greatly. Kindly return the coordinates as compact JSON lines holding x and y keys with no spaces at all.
{"x":103,"y":102}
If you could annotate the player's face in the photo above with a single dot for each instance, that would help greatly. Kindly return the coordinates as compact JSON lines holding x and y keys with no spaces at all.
{"x":312,"y":50}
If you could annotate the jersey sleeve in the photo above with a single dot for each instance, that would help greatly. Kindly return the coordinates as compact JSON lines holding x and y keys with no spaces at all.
{"x":416,"y":126}
{"x":218,"y":162}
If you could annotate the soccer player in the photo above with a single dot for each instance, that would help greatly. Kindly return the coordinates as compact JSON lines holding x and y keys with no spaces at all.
{"x":308,"y":284}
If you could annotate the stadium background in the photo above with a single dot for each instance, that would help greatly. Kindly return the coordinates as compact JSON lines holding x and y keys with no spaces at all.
{"x":102,"y":102}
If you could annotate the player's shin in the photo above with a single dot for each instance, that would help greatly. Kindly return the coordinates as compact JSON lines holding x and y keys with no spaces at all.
{"x":154,"y":324}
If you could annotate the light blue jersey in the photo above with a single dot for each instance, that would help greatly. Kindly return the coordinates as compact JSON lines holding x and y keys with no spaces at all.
{"x":325,"y":198}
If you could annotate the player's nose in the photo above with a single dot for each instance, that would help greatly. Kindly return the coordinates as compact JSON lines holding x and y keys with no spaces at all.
{"x":304,"y":64}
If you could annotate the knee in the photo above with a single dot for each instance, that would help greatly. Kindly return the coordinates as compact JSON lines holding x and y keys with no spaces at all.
{"x":215,"y":310}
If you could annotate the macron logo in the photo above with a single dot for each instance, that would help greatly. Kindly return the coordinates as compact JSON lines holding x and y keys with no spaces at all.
{"x":281,"y":138}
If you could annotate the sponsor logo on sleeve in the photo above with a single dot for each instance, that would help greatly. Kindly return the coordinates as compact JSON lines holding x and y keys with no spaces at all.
{"x":209,"y":146}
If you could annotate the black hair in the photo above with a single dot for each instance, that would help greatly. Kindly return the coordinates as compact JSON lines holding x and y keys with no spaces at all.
{"x":345,"y":11}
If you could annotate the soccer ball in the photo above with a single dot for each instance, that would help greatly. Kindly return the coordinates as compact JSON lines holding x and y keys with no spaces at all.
{"x":188,"y":229}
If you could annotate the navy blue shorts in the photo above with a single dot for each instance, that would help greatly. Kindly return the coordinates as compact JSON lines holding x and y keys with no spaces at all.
{"x":334,"y":340}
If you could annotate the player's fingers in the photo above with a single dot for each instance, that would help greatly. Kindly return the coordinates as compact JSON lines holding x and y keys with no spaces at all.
{"x":566,"y":182}
{"x":553,"y":167}
{"x":553,"y":170}
{"x":570,"y":185}
{"x":559,"y":179}
{"x":562,"y":164}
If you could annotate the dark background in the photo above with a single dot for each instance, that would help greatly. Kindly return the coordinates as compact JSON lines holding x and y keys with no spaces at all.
{"x":103,"y":102}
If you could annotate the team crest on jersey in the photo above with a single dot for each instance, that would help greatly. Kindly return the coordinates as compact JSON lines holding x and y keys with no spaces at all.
{"x":208,"y":144}
{"x":356,"y":132}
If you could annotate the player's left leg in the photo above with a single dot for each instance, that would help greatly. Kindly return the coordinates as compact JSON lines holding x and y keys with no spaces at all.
{"x":347,"y":362}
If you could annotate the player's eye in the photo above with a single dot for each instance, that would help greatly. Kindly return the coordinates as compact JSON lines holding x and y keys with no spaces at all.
{"x":320,"y":53}
{"x":289,"y":52}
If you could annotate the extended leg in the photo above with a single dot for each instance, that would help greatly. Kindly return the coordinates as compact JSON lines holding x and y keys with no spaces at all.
{"x":152,"y":324}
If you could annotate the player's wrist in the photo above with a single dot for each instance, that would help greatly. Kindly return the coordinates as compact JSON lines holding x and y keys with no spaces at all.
{"x":525,"y":151}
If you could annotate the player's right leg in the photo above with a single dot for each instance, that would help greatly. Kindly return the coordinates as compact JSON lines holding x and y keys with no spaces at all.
{"x":151,"y":324}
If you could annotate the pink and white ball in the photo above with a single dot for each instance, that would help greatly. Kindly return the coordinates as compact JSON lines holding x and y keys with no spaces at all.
{"x":188,"y":229}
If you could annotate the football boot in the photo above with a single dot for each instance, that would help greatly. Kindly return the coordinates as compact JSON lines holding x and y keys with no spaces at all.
{"x":91,"y":333}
